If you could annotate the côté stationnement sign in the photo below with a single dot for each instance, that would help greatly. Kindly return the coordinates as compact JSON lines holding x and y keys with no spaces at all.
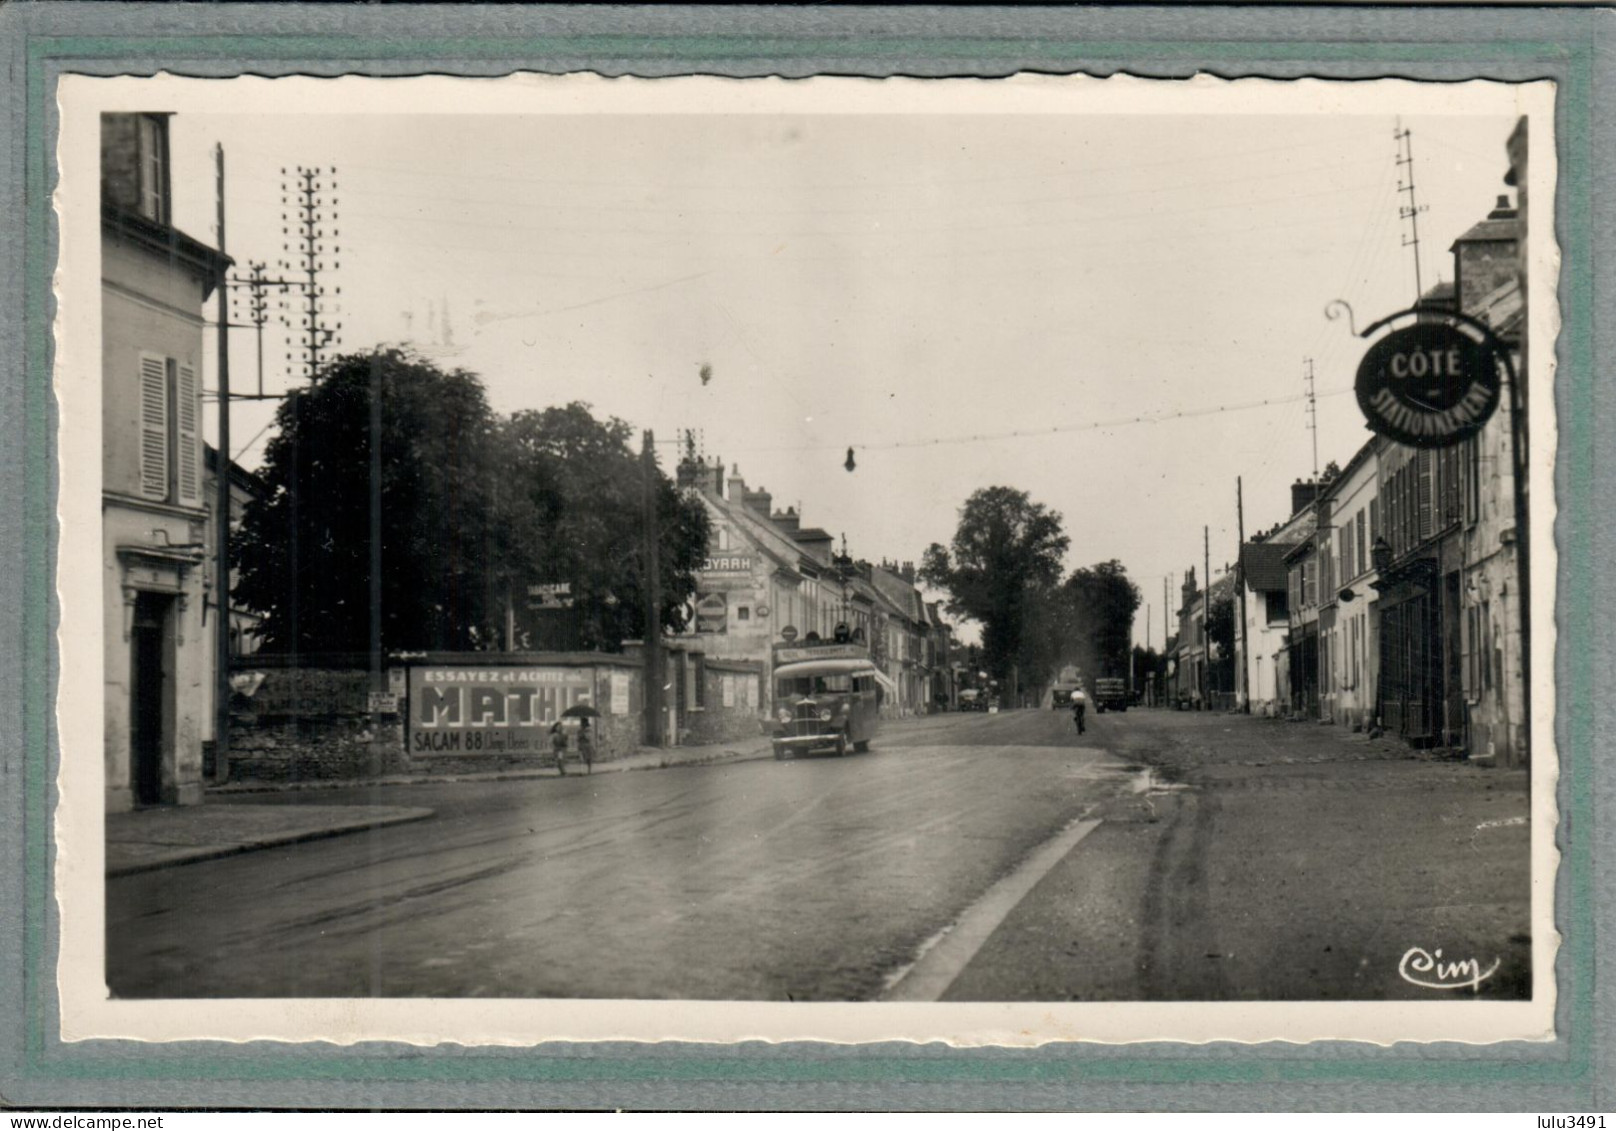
{"x":1429,"y":385}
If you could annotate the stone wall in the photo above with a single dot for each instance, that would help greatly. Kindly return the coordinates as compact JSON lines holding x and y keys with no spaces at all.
{"x":734,"y":703}
{"x":303,"y":724}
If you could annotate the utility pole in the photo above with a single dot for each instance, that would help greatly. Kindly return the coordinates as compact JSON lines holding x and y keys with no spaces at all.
{"x":1239,"y":570}
{"x":378,"y":678}
{"x":1312,"y":412}
{"x":308,"y":246}
{"x":1206,"y":618}
{"x":1410,"y":211}
{"x":653,"y":597}
{"x":221,"y":509}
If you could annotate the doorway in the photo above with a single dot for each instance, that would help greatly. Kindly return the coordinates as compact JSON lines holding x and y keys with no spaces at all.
{"x":151,"y":696}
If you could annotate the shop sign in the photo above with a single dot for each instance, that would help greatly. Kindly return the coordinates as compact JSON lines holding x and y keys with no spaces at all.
{"x":820,"y":652}
{"x":553,"y":595}
{"x":712,"y":612}
{"x":1429,"y":385}
{"x":727,"y":563}
{"x":493,"y":709}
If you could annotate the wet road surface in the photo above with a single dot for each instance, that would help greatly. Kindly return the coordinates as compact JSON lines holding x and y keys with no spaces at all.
{"x":1204,"y":858}
{"x":814,"y":879}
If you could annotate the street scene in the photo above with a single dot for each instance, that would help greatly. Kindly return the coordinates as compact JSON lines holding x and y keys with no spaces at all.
{"x":767,"y":553}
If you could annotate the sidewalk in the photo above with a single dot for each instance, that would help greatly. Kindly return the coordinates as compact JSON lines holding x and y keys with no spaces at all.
{"x":647,"y":758}
{"x":148,"y":839}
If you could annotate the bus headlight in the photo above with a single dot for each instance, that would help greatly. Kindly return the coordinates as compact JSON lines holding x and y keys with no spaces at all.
{"x":824,"y":714}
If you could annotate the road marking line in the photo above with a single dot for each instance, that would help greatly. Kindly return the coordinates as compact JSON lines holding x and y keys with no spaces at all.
{"x":945,"y":955}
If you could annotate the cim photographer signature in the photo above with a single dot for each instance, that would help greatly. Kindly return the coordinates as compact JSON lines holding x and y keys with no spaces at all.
{"x":1427,"y":969}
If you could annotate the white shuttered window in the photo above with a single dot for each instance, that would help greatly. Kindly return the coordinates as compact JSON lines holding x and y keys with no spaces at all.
{"x":187,"y":453}
{"x":154,"y":426}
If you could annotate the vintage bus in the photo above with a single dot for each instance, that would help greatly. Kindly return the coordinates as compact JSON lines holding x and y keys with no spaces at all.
{"x":827,"y":699}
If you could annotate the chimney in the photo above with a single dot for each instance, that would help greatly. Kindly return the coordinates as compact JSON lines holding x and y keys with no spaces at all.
{"x":698,"y":474}
{"x":759,"y":501}
{"x":787,"y":520}
{"x":1503,"y":210}
{"x":908,"y":572}
{"x":1188,"y":591}
{"x":1303,"y":492}
{"x":737,"y":485}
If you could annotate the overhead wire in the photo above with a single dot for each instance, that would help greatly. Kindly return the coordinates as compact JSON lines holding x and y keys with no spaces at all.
{"x":1034,"y":433}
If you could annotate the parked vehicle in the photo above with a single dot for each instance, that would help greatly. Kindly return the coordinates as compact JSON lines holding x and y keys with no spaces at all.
{"x":829,"y":704}
{"x":1110,"y":694}
{"x":973,"y":700}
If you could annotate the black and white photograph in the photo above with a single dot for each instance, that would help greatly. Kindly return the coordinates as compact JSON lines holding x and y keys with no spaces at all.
{"x":567,"y":557}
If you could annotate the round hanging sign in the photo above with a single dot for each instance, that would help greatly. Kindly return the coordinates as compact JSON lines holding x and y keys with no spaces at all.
{"x":1429,"y":385}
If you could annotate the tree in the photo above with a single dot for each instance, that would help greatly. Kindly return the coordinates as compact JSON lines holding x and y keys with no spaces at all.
{"x":573,"y":498}
{"x":1220,"y":625}
{"x":473,"y":511}
{"x":1102,"y":601}
{"x":1006,"y":549}
{"x":303,"y":548}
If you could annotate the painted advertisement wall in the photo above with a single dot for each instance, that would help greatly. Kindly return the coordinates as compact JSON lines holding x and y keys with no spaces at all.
{"x":496,"y":709}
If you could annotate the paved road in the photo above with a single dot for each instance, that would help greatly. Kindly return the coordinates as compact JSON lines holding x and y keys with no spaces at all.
{"x":1185,"y":857}
{"x":814,"y":879}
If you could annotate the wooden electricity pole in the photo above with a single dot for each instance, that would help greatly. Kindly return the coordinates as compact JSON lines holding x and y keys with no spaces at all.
{"x":1243,"y":675}
{"x":653,"y":598}
{"x":221,"y":510}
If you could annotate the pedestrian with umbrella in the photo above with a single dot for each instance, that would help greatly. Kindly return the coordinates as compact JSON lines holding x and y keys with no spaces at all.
{"x":585,"y":714}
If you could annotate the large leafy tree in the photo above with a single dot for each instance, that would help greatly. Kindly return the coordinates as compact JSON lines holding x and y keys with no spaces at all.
{"x":573,"y":500}
{"x":473,"y":511}
{"x":1005,"y":556}
{"x":1101,"y":602}
{"x":303,"y":550}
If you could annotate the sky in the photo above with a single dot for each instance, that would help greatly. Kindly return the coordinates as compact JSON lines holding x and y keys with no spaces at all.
{"x":1091,"y":308}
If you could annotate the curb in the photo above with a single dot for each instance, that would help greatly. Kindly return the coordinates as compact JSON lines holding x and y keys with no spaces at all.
{"x":219,"y":852}
{"x":619,"y":766}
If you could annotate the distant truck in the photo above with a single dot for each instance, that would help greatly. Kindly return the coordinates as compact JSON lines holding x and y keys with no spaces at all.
{"x":1110,"y":694}
{"x":1061,"y":697}
{"x":1069,"y":680}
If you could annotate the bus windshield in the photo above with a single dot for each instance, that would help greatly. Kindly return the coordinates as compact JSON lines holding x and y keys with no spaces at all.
{"x":815,"y":685}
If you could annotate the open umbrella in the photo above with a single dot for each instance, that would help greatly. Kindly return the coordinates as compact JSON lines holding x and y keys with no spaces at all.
{"x":580,"y":711}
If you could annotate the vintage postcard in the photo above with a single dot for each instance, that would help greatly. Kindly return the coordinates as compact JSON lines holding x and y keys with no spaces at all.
{"x":994,"y":562}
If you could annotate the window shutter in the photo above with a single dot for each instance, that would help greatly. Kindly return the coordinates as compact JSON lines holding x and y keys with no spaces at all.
{"x":153,"y":426}
{"x":1426,"y":460}
{"x":188,"y":456}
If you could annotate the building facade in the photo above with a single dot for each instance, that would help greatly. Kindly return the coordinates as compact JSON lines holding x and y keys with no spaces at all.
{"x":769,"y":580}
{"x":158,"y":640}
{"x":1349,"y":613}
{"x":1264,"y":584}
